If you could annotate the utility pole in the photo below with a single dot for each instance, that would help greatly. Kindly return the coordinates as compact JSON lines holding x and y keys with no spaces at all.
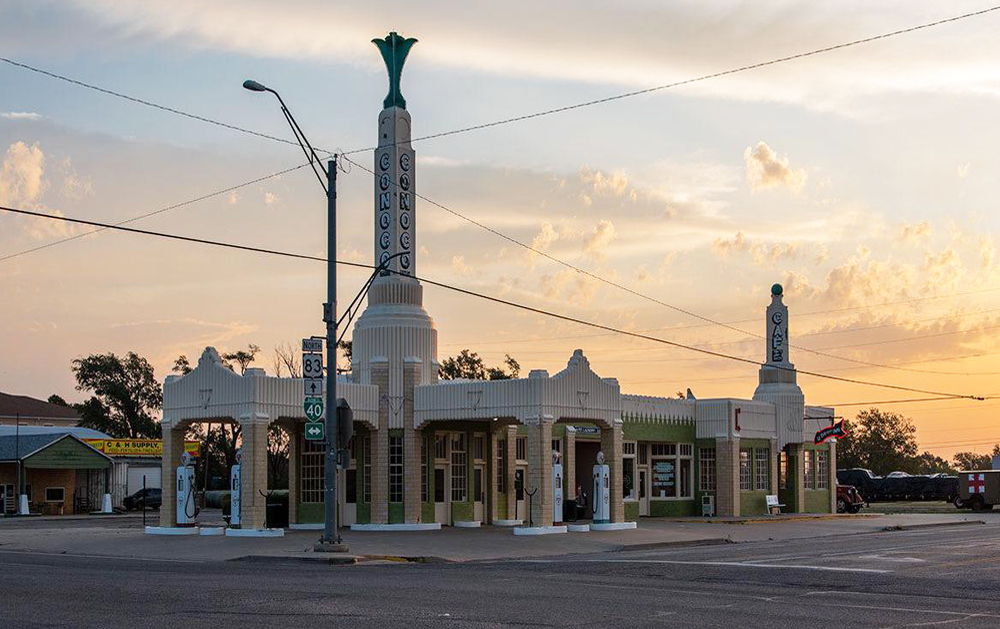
{"x":330,"y":541}
{"x":331,"y":533}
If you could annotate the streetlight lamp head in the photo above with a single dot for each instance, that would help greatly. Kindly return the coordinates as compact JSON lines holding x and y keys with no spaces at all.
{"x":253,"y":86}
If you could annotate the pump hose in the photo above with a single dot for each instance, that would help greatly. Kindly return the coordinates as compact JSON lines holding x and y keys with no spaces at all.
{"x":190,"y":503}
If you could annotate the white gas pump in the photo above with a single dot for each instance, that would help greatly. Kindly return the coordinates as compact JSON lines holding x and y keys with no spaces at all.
{"x":602,"y":491}
{"x":186,"y":510}
{"x":557,"y":488}
{"x":235,"y":485}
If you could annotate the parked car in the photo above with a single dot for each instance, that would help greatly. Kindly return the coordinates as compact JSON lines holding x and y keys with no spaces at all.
{"x":900,"y":485}
{"x":153,"y":495}
{"x":848,"y":499}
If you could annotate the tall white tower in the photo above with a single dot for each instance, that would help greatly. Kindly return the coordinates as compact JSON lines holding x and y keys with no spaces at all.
{"x":777,"y":376}
{"x":394,"y":341}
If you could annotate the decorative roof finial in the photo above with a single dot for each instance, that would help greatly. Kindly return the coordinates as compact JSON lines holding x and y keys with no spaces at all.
{"x":394,"y":49}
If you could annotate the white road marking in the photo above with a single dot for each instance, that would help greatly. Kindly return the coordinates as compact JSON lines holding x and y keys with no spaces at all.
{"x":896,"y":559}
{"x":915,"y":610}
{"x":737,"y":564}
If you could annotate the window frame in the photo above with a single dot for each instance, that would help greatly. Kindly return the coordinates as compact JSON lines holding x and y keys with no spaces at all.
{"x":62,"y":491}
{"x":746,"y":470}
{"x":762,"y":469}
{"x":707,"y":474}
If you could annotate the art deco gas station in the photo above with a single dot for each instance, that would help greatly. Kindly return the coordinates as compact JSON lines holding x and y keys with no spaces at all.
{"x":543,"y":450}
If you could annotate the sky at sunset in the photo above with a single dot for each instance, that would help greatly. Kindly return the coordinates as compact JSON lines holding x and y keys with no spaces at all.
{"x":863,"y":180}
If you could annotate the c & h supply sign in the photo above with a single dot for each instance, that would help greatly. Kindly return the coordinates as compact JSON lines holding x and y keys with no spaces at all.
{"x":137,"y":447}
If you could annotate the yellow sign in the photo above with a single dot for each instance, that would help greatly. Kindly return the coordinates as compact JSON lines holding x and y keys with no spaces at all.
{"x":137,"y":447}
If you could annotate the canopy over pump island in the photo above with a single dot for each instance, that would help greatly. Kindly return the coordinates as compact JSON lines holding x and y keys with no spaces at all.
{"x":543,"y":449}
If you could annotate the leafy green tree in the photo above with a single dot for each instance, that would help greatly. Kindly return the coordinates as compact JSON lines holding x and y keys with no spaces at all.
{"x":126,"y":395}
{"x":927,"y":463}
{"x":57,"y":400}
{"x":470,"y":366}
{"x":881,"y":441}
{"x":242,"y":358}
{"x":181,"y":365}
{"x":973,"y":461}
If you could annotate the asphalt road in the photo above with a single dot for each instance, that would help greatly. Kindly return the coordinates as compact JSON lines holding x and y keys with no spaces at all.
{"x":947,"y":576}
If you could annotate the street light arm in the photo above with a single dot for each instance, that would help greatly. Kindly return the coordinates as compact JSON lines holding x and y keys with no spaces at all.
{"x":300,"y":137}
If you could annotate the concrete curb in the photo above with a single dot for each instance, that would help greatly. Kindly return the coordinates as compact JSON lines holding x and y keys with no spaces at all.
{"x":311,"y":526}
{"x":424,"y":526}
{"x":578,"y":528}
{"x":508,"y":522}
{"x":172,"y":530}
{"x":774,"y":520}
{"x":614,"y":526}
{"x":538,"y":530}
{"x":255,"y":532}
{"x":712,"y":541}
{"x":929,"y":525}
{"x":467,"y":524}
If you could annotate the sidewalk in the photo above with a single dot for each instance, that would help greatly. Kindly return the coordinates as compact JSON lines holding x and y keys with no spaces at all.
{"x":450,"y":544}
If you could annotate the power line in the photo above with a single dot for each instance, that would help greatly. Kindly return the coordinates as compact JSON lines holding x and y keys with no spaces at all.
{"x":705,"y":77}
{"x":558,"y":110}
{"x":490,"y":298}
{"x":154,"y":213}
{"x":147,"y":103}
{"x":636,"y":293}
{"x":523,"y":117}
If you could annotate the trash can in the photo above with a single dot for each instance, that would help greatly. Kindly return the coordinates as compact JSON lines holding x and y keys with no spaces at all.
{"x":569,"y":511}
{"x":277,"y":515}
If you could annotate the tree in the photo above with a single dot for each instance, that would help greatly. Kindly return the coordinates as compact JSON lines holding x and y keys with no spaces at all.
{"x":286,"y":359}
{"x":57,"y":400}
{"x":347,"y":347}
{"x":126,"y":395}
{"x":880,"y":441}
{"x":277,"y":457}
{"x":974,"y":461}
{"x":928,"y":463}
{"x":470,"y":366}
{"x":242,"y":358}
{"x":181,"y":365}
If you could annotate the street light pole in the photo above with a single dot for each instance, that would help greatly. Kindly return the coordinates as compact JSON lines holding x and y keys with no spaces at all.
{"x":331,"y":532}
{"x":330,"y":541}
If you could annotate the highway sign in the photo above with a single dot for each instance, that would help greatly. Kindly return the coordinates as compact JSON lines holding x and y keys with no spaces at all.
{"x":312,"y":345}
{"x":313,"y":387}
{"x":313,"y":407}
{"x":315,"y":431}
{"x":312,"y":365}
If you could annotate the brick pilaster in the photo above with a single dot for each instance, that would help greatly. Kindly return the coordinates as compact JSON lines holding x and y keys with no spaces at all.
{"x":540,"y":471}
{"x":380,"y":448}
{"x":511,"y":469}
{"x":611,"y":446}
{"x":253,"y":473}
{"x":492,"y":474}
{"x":797,"y":475}
{"x":173,"y":448}
{"x":412,"y":448}
{"x":775,"y":453}
{"x":727,"y":462}
{"x":569,"y":463}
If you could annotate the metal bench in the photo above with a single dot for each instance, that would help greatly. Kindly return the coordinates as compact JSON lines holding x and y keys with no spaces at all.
{"x":773,"y":506}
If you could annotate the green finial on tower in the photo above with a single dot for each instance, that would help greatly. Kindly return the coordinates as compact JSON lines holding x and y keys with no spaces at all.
{"x":776,"y":290}
{"x":394,"y":50}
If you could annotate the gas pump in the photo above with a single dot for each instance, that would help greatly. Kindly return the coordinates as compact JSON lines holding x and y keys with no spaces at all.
{"x":602,"y":491}
{"x":186,"y":510}
{"x":557,"y":488}
{"x":235,"y":484}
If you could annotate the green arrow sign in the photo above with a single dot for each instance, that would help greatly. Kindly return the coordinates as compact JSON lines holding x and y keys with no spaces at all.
{"x":313,"y":407}
{"x":315,"y":431}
